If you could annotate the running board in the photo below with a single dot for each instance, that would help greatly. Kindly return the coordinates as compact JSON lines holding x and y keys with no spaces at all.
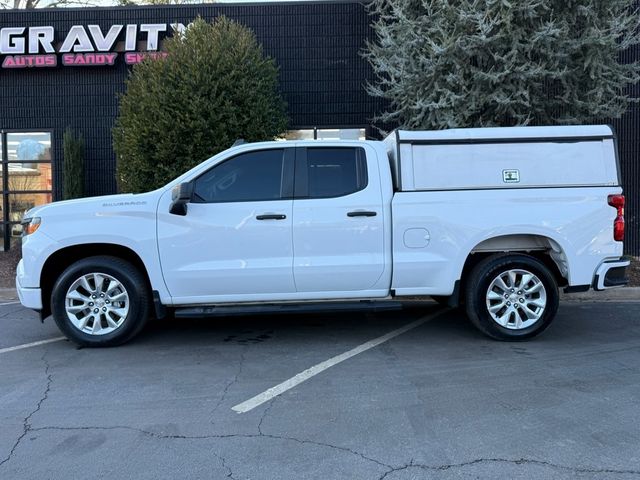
{"x":282,"y":308}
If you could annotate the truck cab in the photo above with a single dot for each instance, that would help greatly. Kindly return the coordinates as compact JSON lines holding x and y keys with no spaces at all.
{"x":281,"y":221}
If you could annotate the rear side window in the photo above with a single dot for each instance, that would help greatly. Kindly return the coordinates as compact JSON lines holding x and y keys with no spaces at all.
{"x":334,"y":172}
{"x":251,"y":176}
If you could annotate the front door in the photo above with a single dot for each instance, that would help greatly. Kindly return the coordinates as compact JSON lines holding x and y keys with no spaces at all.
{"x":338,"y":224}
{"x":234,"y":243}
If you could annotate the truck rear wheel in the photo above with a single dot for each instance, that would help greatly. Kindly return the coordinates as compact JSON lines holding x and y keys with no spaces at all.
{"x":511,"y":297}
{"x":100,"y":301}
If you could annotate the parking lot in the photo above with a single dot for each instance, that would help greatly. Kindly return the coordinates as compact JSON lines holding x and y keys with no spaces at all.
{"x":435,"y":401}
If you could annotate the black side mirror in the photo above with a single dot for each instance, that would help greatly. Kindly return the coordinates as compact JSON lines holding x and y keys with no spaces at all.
{"x":180,"y":196}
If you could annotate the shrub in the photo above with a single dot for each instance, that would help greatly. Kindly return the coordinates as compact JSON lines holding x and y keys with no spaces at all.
{"x":73,"y":158}
{"x":214,"y":86}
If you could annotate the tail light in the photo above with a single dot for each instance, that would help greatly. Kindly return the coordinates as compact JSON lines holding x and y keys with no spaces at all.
{"x":617,"y":202}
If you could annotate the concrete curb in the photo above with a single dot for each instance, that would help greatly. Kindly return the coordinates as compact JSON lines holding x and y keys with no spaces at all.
{"x":627,"y":294}
{"x":8,"y":294}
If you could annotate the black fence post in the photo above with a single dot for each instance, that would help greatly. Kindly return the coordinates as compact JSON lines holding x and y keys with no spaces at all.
{"x":6,"y":230}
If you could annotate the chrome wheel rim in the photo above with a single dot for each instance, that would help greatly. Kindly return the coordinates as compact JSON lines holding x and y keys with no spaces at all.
{"x":516,"y":299}
{"x":97,"y":304}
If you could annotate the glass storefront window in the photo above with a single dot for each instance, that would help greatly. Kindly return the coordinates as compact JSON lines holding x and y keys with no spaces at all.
{"x":27,"y":179}
{"x":341,"y":134}
{"x":28,"y":176}
{"x":19,"y":203}
{"x":326,"y":134}
{"x":305,"y":134}
{"x":28,"y":146}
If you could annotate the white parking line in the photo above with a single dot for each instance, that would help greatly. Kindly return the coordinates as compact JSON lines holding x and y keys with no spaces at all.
{"x":29,"y":345}
{"x":9,"y":303}
{"x":267,"y":395}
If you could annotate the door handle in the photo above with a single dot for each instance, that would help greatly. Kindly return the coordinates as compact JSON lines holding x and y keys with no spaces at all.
{"x":361,"y":213}
{"x":271,"y":216}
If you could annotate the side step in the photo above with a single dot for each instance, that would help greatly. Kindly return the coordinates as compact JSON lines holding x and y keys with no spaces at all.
{"x":283,"y":308}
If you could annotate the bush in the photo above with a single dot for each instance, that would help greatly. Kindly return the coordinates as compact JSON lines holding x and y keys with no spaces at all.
{"x":214,"y":86}
{"x":73,"y":153}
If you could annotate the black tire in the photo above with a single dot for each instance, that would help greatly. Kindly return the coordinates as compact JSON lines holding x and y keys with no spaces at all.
{"x":138,"y":300}
{"x":481,"y":278}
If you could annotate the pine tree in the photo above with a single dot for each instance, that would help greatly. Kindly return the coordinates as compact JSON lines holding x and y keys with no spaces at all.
{"x":471,"y":63}
{"x":214,"y":86}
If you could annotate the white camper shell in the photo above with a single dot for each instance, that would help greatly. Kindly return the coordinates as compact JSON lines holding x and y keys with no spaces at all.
{"x":493,"y":158}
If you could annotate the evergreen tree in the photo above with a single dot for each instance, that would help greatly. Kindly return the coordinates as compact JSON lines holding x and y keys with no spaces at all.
{"x":214,"y":86}
{"x":73,"y":165}
{"x":471,"y":63}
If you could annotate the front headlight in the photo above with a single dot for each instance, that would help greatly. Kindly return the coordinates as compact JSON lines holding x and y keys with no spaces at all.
{"x":30,"y":225}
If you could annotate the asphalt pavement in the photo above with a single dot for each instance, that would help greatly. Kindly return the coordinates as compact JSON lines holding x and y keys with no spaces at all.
{"x":415,"y":394}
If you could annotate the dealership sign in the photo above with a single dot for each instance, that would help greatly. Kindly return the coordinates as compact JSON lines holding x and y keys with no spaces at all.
{"x":24,"y":47}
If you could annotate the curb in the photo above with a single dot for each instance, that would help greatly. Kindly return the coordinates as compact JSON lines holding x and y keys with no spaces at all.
{"x":626,"y":294}
{"x":7,"y":294}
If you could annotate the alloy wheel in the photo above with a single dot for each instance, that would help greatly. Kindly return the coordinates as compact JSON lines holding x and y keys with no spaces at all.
{"x":516,"y":299}
{"x":97,"y":303}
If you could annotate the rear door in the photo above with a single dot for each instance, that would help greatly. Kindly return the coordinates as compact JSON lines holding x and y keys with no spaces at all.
{"x":338,"y":225}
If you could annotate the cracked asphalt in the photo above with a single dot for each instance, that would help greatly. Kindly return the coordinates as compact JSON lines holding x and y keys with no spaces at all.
{"x":440,"y":401}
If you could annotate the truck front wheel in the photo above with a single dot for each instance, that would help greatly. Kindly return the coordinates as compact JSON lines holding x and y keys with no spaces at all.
{"x":511,"y":297}
{"x":100,"y":301}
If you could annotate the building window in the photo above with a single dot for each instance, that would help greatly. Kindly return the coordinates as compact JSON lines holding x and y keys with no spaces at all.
{"x":26,"y":177}
{"x":326,"y":134}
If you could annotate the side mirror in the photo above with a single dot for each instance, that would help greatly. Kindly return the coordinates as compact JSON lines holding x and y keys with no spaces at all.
{"x":180,"y":196}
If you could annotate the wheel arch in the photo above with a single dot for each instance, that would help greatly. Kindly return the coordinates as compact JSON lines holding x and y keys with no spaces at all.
{"x":541,"y":246}
{"x":59,"y":260}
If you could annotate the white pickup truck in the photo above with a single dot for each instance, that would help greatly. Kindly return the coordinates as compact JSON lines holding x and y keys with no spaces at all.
{"x":494,"y":220}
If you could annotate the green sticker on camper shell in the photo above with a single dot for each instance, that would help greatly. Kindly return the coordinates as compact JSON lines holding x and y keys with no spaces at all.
{"x":511,"y":176}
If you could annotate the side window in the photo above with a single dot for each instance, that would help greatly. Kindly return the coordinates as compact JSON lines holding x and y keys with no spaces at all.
{"x":250,"y":176}
{"x":334,"y":172}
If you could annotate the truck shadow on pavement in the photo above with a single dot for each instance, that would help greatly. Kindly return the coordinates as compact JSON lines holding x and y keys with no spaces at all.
{"x":255,"y":329}
{"x":576,"y":323}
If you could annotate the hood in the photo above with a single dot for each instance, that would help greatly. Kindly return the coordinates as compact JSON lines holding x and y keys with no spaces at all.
{"x":125,"y":201}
